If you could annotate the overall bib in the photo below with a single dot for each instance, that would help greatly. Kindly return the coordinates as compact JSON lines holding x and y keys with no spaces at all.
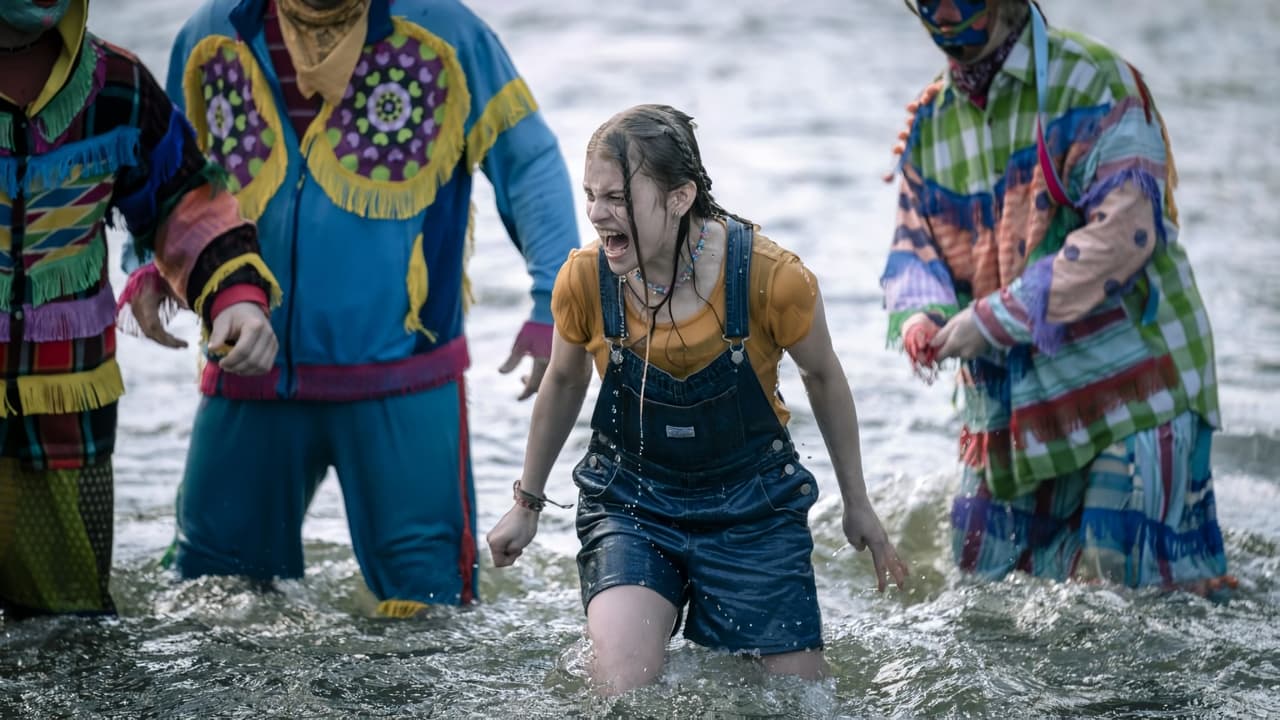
{"x":695,"y":490}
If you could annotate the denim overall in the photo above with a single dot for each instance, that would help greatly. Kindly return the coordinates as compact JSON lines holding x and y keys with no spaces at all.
{"x":696,"y":492}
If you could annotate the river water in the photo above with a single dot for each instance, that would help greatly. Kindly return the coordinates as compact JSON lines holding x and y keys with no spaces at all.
{"x":798,"y":104}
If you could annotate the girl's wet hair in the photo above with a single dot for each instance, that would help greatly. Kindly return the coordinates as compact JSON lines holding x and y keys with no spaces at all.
{"x":658,"y":140}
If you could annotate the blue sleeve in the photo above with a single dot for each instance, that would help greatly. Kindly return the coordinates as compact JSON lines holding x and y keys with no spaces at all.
{"x":524,"y":164}
{"x":531,"y":184}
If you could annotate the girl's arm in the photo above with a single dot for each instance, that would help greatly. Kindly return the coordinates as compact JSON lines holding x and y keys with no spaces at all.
{"x":555,"y":410}
{"x":833,"y":408}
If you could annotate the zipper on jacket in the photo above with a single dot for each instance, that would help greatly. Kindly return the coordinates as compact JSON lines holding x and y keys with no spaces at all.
{"x":17,"y":234}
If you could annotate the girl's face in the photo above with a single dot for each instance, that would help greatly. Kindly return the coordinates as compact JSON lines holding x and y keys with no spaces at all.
{"x":607,"y":211}
{"x":32,"y":16}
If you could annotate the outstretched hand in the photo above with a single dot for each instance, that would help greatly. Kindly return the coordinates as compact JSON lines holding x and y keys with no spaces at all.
{"x":533,"y":340}
{"x":246,"y":329}
{"x":863,"y":530}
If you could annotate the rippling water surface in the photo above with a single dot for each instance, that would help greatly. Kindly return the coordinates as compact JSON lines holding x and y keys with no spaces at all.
{"x":798,"y":104}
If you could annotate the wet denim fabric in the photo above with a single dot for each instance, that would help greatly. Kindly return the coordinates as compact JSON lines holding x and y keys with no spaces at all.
{"x":697,"y":492}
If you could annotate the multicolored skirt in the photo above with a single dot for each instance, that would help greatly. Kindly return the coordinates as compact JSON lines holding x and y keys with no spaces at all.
{"x":1141,"y":514}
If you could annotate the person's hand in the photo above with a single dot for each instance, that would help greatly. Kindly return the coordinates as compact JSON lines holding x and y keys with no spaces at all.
{"x":243,"y":329}
{"x":960,"y":338}
{"x":863,"y":530}
{"x":147,"y":307}
{"x":917,"y":334}
{"x":533,"y":340}
{"x":513,"y":533}
{"x":925,"y":98}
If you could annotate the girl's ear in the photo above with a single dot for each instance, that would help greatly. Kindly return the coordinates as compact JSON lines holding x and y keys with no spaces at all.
{"x":681,"y":199}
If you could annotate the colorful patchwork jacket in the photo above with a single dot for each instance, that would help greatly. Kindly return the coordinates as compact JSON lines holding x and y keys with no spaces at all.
{"x":1097,"y":327}
{"x":101,"y":137}
{"x":367,"y":218}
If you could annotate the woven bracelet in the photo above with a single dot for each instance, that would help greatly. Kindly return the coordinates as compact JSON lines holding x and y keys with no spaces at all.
{"x":529,"y":501}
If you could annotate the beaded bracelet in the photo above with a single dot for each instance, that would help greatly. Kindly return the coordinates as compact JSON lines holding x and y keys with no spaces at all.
{"x":529,"y":501}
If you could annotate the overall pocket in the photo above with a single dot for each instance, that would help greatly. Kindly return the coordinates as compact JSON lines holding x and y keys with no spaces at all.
{"x":683,"y":436}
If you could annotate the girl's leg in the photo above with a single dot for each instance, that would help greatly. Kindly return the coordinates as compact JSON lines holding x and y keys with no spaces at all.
{"x":806,"y":664}
{"x":629,"y":627}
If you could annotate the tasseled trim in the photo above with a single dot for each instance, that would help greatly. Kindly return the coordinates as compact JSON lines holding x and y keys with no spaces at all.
{"x":55,"y":277}
{"x":146,"y":276}
{"x":512,"y":104}
{"x":1135,"y":174}
{"x":254,"y":196}
{"x":92,"y":157}
{"x":416,"y":281}
{"x":162,"y":165}
{"x":384,"y":199}
{"x":69,"y":392}
{"x":1059,"y":417}
{"x":399,"y":608}
{"x":224,"y":271}
{"x":897,"y":319}
{"x":65,"y":320}
{"x":468,"y":250}
{"x":969,"y":213}
{"x":86,"y":80}
{"x":1033,"y":293}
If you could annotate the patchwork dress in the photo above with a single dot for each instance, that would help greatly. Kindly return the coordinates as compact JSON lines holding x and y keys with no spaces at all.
{"x":101,"y":137}
{"x":1087,"y":426}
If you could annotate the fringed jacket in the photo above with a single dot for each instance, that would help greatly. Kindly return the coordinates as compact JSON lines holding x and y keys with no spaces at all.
{"x":1096,"y":326}
{"x":366,"y":218}
{"x":101,"y":137}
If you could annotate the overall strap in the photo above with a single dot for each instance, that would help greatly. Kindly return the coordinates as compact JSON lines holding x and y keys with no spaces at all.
{"x":615,"y":323}
{"x":737,"y":281}
{"x":1040,"y":45}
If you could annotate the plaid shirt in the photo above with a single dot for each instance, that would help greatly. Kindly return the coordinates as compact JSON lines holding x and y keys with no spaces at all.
{"x":1096,"y":326}
{"x":122,"y":148}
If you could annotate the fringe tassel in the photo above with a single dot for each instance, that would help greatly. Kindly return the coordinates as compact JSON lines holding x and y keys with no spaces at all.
{"x":1084,"y":406}
{"x":262,"y":188}
{"x":87,"y":78}
{"x":87,"y":158}
{"x":399,"y":609}
{"x":513,"y":103}
{"x":6,"y":290}
{"x":224,"y":271}
{"x":53,"y":278}
{"x":164,"y":162}
{"x":468,"y":251}
{"x":71,"y":392}
{"x":66,"y":320}
{"x":1033,"y":292}
{"x":416,"y":281}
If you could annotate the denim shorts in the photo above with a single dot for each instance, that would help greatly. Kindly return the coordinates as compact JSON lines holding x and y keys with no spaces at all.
{"x":732,"y":548}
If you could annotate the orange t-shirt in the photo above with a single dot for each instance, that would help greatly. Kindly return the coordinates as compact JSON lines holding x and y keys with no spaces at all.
{"x":782,"y":296}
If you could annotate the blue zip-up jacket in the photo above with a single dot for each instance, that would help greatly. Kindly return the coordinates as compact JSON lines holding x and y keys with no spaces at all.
{"x":365,"y":220}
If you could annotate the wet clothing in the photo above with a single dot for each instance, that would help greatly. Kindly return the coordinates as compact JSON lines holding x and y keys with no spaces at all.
{"x":779,"y":316}
{"x":1097,"y":331}
{"x":691,"y":486}
{"x":1142,"y":513}
{"x":97,"y":136}
{"x":411,"y":530}
{"x":366,"y":217}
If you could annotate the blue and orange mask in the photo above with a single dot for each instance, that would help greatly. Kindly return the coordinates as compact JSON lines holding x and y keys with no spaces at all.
{"x":33,"y":16}
{"x":957,"y":33}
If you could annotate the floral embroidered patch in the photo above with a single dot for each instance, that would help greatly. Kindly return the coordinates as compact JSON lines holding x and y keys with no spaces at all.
{"x":236,"y":122}
{"x":398,"y":133}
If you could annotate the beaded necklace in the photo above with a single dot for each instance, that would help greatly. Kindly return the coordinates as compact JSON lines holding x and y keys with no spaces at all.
{"x":688,"y":269}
